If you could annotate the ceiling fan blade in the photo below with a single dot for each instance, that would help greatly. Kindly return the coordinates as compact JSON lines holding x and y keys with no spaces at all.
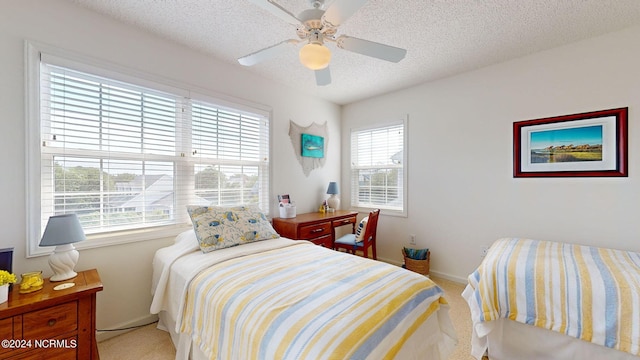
{"x":323,"y":76}
{"x":340,"y":10}
{"x":277,"y":10}
{"x":370,"y":48}
{"x":266,"y":53}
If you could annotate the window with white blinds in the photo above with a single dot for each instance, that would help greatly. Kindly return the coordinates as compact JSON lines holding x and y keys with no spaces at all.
{"x":126,"y":157}
{"x":378,"y":158}
{"x":231,"y":150}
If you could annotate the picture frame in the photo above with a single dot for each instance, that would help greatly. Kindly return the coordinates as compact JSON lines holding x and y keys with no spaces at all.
{"x":6,"y":261}
{"x":591,"y":144}
{"x":284,"y":199}
{"x":312,"y":146}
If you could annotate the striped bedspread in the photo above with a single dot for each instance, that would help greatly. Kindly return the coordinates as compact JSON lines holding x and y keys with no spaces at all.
{"x":585,"y":292}
{"x":306,"y":302}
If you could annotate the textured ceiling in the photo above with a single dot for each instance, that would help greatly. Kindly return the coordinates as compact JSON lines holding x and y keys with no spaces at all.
{"x":442,"y":37}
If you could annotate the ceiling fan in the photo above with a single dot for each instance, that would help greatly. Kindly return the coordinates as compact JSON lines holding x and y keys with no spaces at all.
{"x":316,"y":26}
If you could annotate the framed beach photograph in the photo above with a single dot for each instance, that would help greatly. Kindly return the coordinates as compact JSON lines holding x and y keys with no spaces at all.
{"x":312,"y":146}
{"x":580,"y":145}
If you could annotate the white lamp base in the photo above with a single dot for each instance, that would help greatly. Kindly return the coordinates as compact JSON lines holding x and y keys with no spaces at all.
{"x":333,"y":202}
{"x":62,"y":261}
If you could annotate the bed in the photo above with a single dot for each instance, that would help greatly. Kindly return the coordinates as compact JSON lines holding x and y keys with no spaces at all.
{"x":287,"y":299}
{"x":532,"y":299}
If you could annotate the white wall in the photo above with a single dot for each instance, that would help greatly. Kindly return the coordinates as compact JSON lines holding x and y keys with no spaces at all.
{"x":462,"y":194}
{"x":461,"y":191}
{"x":126,"y":269}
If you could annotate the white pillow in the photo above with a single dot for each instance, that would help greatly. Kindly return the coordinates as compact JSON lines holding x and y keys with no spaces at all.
{"x":360,"y":230}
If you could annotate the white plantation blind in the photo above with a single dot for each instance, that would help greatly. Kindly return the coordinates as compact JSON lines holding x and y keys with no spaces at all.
{"x":128,"y":157}
{"x":378,"y":167}
{"x":231,"y":149}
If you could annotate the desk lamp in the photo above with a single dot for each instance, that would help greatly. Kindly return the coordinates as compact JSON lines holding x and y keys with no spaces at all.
{"x":62,"y":231}
{"x":333,"y":201}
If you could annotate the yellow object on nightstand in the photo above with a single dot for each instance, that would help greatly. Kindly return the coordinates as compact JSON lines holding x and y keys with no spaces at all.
{"x":31,"y":281}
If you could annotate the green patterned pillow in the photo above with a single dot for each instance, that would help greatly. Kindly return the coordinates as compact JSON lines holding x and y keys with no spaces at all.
{"x":219,"y":227}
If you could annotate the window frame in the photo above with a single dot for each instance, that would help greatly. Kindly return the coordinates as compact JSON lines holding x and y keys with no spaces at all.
{"x":33,"y":54}
{"x":404,"y":121}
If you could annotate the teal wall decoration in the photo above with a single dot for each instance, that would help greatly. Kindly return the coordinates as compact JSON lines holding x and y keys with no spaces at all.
{"x":312,"y":146}
{"x":298,"y":134}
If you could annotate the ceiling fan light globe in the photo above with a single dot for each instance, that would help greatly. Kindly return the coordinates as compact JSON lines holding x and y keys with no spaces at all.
{"x":315,"y":56}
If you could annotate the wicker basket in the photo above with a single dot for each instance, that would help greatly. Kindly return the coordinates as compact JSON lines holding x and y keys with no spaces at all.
{"x":419,"y":266}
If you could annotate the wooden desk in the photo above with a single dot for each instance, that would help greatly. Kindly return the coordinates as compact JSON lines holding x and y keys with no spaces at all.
{"x":52,"y":324}
{"x":316,"y":227}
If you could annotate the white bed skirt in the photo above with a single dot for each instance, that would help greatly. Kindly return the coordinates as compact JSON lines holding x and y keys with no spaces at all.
{"x":430,"y":341}
{"x":507,"y":339}
{"x":182,"y":342}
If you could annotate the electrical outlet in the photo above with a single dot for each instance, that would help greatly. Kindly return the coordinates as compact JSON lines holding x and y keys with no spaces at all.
{"x":412,"y":239}
{"x":483,"y":251}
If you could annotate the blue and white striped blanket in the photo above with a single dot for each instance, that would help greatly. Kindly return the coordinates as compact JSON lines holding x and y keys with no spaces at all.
{"x":585,"y":292}
{"x":306,"y":302}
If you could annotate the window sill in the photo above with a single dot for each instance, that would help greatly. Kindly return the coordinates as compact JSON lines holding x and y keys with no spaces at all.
{"x":383,"y":211}
{"x":119,"y":238}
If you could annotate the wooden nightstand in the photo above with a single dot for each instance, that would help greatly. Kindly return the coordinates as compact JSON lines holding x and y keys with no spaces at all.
{"x":52,"y":324}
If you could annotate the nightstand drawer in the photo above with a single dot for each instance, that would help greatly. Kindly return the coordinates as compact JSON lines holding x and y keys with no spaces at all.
{"x":313,"y":231}
{"x":56,"y":320}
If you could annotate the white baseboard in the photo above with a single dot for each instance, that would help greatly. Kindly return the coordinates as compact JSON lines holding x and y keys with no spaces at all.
{"x":104,"y":335}
{"x":449,"y":277}
{"x":389,"y":261}
{"x":435,"y":273}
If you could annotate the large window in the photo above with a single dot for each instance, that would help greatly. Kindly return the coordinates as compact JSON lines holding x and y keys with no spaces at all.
{"x":128,"y":158}
{"x":378,"y":158}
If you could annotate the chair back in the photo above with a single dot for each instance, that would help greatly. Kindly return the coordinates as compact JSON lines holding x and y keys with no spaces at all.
{"x":371,"y":228}
{"x":350,"y":243}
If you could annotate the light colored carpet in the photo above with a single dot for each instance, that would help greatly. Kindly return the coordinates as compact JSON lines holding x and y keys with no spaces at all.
{"x":149,"y":343}
{"x":460,"y":317}
{"x":145,"y":343}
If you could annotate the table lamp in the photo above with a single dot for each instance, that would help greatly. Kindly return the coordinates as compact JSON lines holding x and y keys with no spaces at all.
{"x":62,"y":231}
{"x":333,"y":201}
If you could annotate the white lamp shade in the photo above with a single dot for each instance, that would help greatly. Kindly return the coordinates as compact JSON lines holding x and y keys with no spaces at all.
{"x":315,"y":56}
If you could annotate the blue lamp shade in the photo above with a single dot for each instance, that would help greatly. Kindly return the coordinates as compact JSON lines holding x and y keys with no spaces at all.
{"x":333,"y":188}
{"x":333,"y":201}
{"x":62,"y":230}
